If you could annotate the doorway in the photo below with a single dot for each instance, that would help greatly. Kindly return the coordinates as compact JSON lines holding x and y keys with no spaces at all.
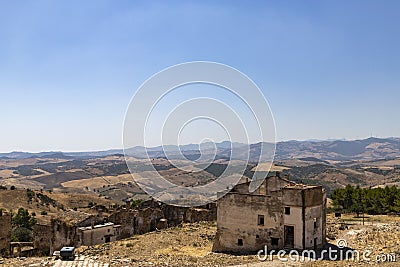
{"x":289,"y":236}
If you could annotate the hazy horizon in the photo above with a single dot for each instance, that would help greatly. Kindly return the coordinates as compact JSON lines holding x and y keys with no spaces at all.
{"x":120,"y":148}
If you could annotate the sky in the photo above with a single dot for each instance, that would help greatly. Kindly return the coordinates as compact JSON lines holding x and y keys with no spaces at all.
{"x":68,"y":69}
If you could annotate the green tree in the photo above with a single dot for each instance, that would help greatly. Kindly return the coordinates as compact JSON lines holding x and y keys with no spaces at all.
{"x":23,"y":219}
{"x":396,"y":202}
{"x":370,"y":200}
{"x":22,"y":223}
{"x":358,"y":205}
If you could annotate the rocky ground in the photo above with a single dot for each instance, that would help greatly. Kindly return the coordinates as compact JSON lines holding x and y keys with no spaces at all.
{"x":190,"y":245}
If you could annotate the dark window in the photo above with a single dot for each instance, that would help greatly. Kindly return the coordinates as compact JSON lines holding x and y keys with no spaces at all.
{"x":315,"y":223}
{"x":240,"y":242}
{"x":274,"y":241}
{"x":108,"y":230}
{"x":260,"y":219}
{"x":287,"y":210}
{"x":257,"y":236}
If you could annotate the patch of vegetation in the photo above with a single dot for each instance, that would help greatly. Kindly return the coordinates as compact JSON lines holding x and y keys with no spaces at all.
{"x":367,"y":200}
{"x":30,"y":195}
{"x":22,"y":223}
{"x":46,"y":200}
{"x":28,"y":170}
{"x":114,"y":168}
{"x":136,"y":203}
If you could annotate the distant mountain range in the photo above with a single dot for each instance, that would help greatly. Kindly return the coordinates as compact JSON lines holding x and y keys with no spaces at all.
{"x":370,"y":148}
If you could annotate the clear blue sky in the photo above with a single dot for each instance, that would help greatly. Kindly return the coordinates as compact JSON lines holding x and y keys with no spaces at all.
{"x":330,"y":69}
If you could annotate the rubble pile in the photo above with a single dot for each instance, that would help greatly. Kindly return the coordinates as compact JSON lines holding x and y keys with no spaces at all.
{"x":382,"y":238}
{"x":333,"y":227}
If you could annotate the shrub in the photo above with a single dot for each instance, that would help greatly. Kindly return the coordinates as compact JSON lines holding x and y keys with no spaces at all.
{"x":22,"y":234}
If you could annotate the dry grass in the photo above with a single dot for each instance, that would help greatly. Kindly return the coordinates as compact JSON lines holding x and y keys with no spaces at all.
{"x":187,"y":245}
{"x":265,"y":167}
{"x":7,"y":173}
{"x":191,"y":244}
{"x":98,"y":182}
{"x":15,"y":199}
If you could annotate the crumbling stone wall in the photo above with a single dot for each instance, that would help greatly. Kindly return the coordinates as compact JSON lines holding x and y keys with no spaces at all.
{"x":147,"y":219}
{"x":42,"y":242}
{"x":5,"y":233}
{"x":151,"y":215}
{"x":125,"y":218}
{"x":63,"y":234}
{"x":176,"y":215}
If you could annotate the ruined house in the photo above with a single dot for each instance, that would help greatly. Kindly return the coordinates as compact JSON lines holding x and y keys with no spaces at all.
{"x":97,"y":234}
{"x":279,"y":214}
{"x":62,"y":231}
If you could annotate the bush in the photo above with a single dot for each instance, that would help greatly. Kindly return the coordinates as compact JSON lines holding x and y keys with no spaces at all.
{"x":22,"y":234}
{"x":30,"y":195}
{"x":136,"y":203}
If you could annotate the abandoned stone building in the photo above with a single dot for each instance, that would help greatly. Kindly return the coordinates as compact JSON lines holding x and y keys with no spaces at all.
{"x":62,"y":231}
{"x":97,"y":234}
{"x":76,"y":228}
{"x":279,"y":214}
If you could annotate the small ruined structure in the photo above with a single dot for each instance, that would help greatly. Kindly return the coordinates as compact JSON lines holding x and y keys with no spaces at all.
{"x":152,"y":215}
{"x":97,"y":234}
{"x":279,"y":214}
{"x":62,"y":231}
{"x":76,"y":228}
